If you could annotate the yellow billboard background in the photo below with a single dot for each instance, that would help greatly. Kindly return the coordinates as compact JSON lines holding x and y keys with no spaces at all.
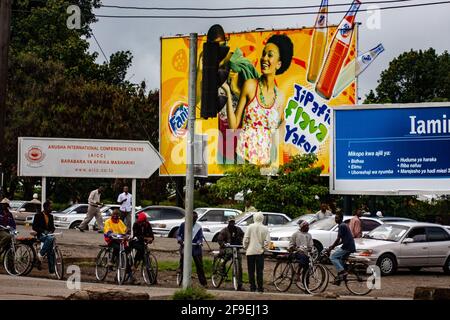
{"x":174,"y":95}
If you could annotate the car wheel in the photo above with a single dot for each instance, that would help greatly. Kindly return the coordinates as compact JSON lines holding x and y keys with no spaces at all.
{"x":75,"y":224}
{"x":387,"y":264}
{"x":447,"y":266}
{"x":319,"y":248}
{"x":173,"y":233}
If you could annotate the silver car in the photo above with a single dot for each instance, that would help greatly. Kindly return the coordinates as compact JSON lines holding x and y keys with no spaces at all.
{"x":412,"y":245}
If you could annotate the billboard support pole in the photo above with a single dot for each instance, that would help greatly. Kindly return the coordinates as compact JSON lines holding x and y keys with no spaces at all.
{"x":43,"y":191}
{"x":187,"y":259}
{"x":133,"y":204}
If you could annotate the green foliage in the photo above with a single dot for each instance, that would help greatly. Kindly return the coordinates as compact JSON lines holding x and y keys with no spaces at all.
{"x":192,"y":293}
{"x":292,"y":191}
{"x":414,"y":76}
{"x":56,"y":89}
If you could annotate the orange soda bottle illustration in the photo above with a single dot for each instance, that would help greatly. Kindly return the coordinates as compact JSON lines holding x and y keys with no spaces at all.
{"x":337,"y":53}
{"x":318,"y":43}
{"x":355,"y":68}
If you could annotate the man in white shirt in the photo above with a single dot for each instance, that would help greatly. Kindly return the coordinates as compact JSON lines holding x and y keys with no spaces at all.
{"x":93,"y":211}
{"x":323,"y":212}
{"x":256,"y":239}
{"x":124,"y":200}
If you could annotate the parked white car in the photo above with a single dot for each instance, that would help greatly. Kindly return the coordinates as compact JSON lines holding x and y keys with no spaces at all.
{"x":412,"y":245}
{"x":168,"y":227}
{"x":324,"y":232}
{"x":73,"y":216}
{"x":271,"y":219}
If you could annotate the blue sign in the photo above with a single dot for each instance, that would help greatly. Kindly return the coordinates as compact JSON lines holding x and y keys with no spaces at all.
{"x":393,"y":143}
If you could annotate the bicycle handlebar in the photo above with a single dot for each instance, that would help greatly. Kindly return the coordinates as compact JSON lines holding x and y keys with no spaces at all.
{"x":238,"y":246}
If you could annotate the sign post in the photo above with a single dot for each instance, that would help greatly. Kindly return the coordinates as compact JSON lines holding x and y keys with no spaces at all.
{"x":187,"y":259}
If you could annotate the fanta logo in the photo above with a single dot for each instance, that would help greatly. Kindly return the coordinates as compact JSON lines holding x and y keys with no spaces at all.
{"x":178,"y":119}
{"x":366,"y":58}
{"x":345,"y":30}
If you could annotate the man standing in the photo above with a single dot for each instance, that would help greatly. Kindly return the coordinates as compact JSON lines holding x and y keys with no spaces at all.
{"x":249,"y":207}
{"x":233,"y":235}
{"x":355,"y":224}
{"x":197,"y":240}
{"x":323,"y":212}
{"x":93,"y":211}
{"x":124,"y":200}
{"x":256,"y":239}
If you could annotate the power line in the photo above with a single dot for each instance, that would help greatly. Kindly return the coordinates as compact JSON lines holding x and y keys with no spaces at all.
{"x":244,"y":8}
{"x":261,"y":15}
{"x":104,"y":55}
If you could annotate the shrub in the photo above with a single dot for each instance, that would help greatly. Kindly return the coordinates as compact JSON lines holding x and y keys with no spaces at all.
{"x":192,"y":293}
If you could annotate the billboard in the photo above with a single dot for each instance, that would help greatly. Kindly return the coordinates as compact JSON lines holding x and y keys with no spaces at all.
{"x":391,"y":149}
{"x":86,"y":158}
{"x":303,"y":96}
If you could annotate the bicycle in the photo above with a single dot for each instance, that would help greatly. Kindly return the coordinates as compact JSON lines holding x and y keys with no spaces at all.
{"x":105,"y":256}
{"x":180,"y":270}
{"x":36,"y":246}
{"x":360,"y":279}
{"x":18,"y":257}
{"x":288,"y":269}
{"x":221,"y":267}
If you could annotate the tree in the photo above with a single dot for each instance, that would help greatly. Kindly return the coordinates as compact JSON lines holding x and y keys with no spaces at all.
{"x":293,"y":190}
{"x":414,"y":76}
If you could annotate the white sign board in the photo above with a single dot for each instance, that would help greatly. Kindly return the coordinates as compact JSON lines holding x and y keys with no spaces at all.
{"x":87,"y":158}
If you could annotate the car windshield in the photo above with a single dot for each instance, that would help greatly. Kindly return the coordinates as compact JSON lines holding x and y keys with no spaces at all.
{"x":200,"y":211}
{"x":324,"y":224}
{"x":388,"y":232}
{"x":16,"y":204}
{"x":69,"y":209}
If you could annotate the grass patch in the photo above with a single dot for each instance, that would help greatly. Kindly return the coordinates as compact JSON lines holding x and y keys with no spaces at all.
{"x":207,"y":266}
{"x":192,"y":293}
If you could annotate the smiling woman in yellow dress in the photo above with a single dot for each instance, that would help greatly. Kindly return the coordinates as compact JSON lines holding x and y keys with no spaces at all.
{"x":260,"y":106}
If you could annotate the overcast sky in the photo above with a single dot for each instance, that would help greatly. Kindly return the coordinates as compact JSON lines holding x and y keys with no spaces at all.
{"x":400,"y":30}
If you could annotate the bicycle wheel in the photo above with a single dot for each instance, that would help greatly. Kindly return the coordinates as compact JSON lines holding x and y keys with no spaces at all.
{"x":235,"y":276}
{"x":17,"y":262}
{"x":122,"y":268}
{"x":218,"y":273}
{"x":150,"y":269}
{"x":101,"y":264}
{"x":315,"y":280}
{"x":59,"y":264}
{"x":34,"y":259}
{"x":360,"y":281}
{"x":283,"y":275}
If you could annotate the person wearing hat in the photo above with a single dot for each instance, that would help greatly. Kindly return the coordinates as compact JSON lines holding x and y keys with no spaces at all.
{"x":142,"y":234}
{"x":6,"y":220}
{"x":233,"y":235}
{"x":301,"y":243}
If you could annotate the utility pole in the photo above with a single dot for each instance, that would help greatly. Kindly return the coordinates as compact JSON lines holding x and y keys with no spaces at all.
{"x":5,"y":26}
{"x":187,"y":260}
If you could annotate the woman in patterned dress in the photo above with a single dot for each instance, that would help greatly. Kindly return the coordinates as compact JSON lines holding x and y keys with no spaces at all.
{"x":260,"y":108}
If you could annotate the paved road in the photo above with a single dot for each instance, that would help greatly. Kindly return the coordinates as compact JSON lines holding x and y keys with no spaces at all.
{"x":29,"y":288}
{"x":76,"y":245}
